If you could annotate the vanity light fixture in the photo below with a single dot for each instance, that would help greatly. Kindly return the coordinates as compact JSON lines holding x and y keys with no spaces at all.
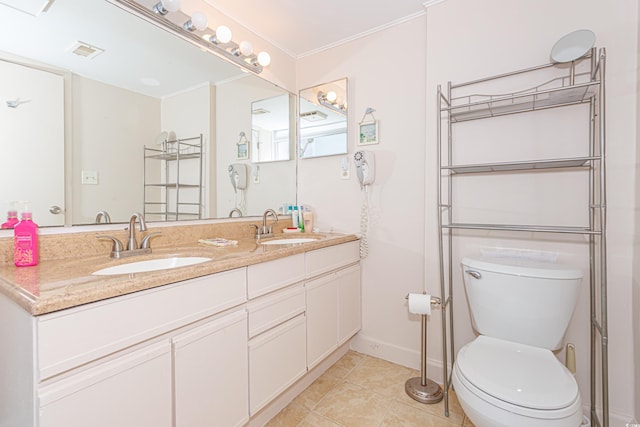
{"x":198,"y":21}
{"x":165,"y":6}
{"x":194,"y":31}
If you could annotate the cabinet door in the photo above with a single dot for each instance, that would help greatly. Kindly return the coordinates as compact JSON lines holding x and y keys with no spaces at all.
{"x":132,"y":390}
{"x":276,"y":360}
{"x":322,"y":318}
{"x":211,"y":373}
{"x":349,"y":303}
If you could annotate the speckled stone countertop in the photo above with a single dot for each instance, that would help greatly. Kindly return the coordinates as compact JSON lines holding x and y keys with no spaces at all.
{"x":64,"y":279}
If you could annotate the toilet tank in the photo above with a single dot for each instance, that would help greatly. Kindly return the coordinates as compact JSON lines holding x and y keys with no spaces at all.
{"x":529,"y":303}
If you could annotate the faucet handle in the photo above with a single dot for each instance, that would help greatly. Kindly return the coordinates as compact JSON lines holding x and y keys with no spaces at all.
{"x":117,"y":245}
{"x":145,"y":240}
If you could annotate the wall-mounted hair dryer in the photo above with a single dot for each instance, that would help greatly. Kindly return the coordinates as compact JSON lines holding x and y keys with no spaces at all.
{"x":238,"y":176}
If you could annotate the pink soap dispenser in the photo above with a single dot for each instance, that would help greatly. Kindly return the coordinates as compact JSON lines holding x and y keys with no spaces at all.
{"x":25,"y":241}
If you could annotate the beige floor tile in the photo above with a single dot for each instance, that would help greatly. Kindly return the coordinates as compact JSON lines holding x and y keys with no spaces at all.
{"x":467,"y":422}
{"x":345,"y":365}
{"x":315,"y":420}
{"x":380,"y":376}
{"x":456,"y":415}
{"x":310,"y":397}
{"x":401,"y":415}
{"x":353,"y":406}
{"x":290,"y":416}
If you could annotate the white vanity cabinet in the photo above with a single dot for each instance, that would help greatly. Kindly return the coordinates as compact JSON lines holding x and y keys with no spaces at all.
{"x":277,"y":331}
{"x":95,"y":368}
{"x":214,"y":350}
{"x":130,"y":391}
{"x":333,"y":299}
{"x":210,"y":373}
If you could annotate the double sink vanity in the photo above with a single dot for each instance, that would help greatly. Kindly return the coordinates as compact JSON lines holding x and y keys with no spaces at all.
{"x":216,"y":342}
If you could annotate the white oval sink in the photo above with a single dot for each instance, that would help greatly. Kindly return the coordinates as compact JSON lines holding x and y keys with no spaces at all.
{"x":289,"y":241}
{"x":151,"y":265}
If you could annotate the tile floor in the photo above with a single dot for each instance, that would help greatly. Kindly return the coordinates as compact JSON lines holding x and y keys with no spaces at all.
{"x":363,"y":391}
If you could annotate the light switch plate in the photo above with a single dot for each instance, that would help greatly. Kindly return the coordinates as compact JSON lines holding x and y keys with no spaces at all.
{"x":90,"y":177}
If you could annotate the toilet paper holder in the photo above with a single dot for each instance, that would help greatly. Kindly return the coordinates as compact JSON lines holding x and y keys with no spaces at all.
{"x":434,"y":300}
{"x":421,"y":388}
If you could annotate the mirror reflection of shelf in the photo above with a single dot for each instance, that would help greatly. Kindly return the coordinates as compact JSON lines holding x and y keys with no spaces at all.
{"x":180,"y":195}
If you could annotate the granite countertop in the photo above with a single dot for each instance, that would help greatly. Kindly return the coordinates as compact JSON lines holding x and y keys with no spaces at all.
{"x":58,"y":284}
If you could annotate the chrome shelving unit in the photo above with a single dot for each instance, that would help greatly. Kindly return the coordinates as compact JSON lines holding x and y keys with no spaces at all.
{"x":172,"y":203}
{"x":460,"y":103}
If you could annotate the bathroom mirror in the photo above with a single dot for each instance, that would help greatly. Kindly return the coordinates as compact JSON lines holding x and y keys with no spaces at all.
{"x":120,"y":93}
{"x":323,"y":120}
{"x":270,"y":129}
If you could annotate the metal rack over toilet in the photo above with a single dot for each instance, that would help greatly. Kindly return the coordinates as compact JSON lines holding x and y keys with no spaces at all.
{"x":459,"y":103}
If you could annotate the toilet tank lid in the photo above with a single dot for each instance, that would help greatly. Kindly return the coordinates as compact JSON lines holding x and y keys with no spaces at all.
{"x":526,"y":268}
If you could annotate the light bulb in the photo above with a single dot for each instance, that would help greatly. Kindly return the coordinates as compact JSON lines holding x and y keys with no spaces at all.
{"x":246,"y":48}
{"x":199,"y":20}
{"x":223,"y":34}
{"x":331,"y":96}
{"x":165,"y":6}
{"x":264,"y":59}
{"x":171,"y":5}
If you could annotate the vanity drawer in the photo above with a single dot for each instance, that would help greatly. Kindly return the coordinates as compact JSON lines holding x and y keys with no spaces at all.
{"x":324,"y":260}
{"x":273,"y":275}
{"x":272,"y":310}
{"x":69,"y":338}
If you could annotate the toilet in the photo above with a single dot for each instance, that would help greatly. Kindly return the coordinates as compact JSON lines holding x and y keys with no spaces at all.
{"x":508,"y":376}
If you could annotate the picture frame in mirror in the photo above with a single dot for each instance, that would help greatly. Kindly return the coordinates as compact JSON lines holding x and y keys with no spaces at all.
{"x":242,"y":147}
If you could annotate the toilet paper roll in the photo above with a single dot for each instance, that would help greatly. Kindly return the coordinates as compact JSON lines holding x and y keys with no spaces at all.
{"x":420,"y":303}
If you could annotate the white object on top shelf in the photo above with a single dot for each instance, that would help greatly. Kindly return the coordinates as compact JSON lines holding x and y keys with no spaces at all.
{"x":573,"y":46}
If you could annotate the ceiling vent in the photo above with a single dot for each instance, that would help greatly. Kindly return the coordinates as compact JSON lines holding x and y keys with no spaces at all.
{"x":313,"y":116}
{"x":259,"y":111}
{"x":85,"y":50}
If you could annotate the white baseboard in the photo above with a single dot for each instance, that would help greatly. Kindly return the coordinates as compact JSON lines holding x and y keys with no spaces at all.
{"x":399,"y":355}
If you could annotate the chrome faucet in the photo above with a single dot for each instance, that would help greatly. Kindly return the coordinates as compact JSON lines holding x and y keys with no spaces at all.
{"x":235,"y":210}
{"x":268,"y":231}
{"x":132,"y":244}
{"x":103,"y":215}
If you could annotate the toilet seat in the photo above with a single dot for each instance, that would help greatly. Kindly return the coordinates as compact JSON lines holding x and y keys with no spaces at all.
{"x":518,"y":378}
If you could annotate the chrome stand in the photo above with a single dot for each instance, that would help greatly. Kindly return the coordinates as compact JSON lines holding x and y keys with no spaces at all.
{"x":422,"y":388}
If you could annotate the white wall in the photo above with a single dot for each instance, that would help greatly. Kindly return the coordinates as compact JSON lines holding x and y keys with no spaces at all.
{"x":466,"y":40}
{"x":98,"y":145}
{"x":386,"y":73}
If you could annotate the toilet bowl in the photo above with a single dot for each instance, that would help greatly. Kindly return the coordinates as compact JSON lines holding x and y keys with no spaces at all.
{"x":508,"y":376}
{"x":505,"y":384}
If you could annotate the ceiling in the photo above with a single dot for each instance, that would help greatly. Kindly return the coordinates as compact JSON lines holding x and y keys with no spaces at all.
{"x":302,"y":27}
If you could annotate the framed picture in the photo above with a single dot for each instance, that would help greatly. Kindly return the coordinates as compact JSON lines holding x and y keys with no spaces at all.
{"x":242,"y":147}
{"x":368,"y":133}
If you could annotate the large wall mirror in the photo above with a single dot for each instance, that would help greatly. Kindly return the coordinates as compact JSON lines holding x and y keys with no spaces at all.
{"x":86,"y":85}
{"x":323,"y":120}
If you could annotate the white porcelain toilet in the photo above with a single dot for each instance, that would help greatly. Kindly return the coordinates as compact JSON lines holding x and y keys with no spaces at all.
{"x":508,"y":376}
